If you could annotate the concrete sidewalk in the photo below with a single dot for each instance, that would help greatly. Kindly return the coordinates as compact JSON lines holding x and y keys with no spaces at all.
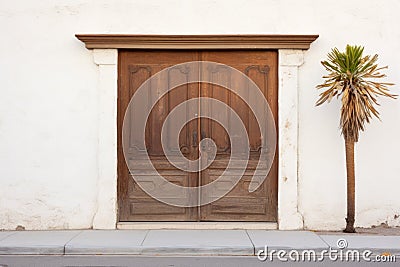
{"x":183,"y":242}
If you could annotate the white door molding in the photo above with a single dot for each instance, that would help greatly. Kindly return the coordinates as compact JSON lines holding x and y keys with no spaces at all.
{"x":289,"y":217}
{"x":105,"y":216}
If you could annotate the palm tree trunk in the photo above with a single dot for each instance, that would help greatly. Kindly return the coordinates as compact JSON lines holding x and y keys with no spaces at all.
{"x":349,"y":143}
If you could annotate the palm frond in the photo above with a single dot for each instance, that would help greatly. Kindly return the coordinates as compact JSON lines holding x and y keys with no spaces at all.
{"x":352,"y":76}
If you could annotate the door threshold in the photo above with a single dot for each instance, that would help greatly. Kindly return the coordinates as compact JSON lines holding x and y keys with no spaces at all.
{"x":198,"y":225}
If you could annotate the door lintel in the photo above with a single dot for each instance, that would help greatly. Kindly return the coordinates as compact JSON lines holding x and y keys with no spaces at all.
{"x":129,"y":41}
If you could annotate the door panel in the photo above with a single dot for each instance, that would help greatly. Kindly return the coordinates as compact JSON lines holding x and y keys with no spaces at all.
{"x":135,"y":68}
{"x":238,"y":205}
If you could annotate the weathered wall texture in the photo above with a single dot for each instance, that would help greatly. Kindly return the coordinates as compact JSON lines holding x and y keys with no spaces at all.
{"x":49,"y":126}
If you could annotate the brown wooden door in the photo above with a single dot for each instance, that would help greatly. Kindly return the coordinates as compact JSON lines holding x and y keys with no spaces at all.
{"x":238,"y":205}
{"x":135,"y":68}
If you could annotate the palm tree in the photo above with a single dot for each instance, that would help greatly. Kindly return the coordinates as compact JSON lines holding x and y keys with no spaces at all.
{"x":353,"y":78}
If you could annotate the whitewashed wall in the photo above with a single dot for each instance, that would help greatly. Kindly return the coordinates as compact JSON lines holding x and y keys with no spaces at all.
{"x":48,"y":103}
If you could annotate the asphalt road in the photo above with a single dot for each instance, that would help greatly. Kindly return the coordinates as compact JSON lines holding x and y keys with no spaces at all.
{"x":142,"y":261}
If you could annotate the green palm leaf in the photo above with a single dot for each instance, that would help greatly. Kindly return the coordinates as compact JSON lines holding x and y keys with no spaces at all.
{"x":349,"y":76}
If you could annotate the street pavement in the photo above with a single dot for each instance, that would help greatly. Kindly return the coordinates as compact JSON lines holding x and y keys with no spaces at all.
{"x":196,"y":248}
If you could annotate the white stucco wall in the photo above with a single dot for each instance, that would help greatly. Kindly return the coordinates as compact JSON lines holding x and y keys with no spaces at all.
{"x":49,"y":127}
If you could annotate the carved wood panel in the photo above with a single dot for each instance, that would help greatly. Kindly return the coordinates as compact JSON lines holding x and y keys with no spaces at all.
{"x":239,"y":204}
{"x":134,"y":69}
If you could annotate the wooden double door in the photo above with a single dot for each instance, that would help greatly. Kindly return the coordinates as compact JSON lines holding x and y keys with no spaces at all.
{"x":135,"y":67}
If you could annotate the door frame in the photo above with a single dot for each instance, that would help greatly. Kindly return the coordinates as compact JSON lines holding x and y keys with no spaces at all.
{"x":290,"y":58}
